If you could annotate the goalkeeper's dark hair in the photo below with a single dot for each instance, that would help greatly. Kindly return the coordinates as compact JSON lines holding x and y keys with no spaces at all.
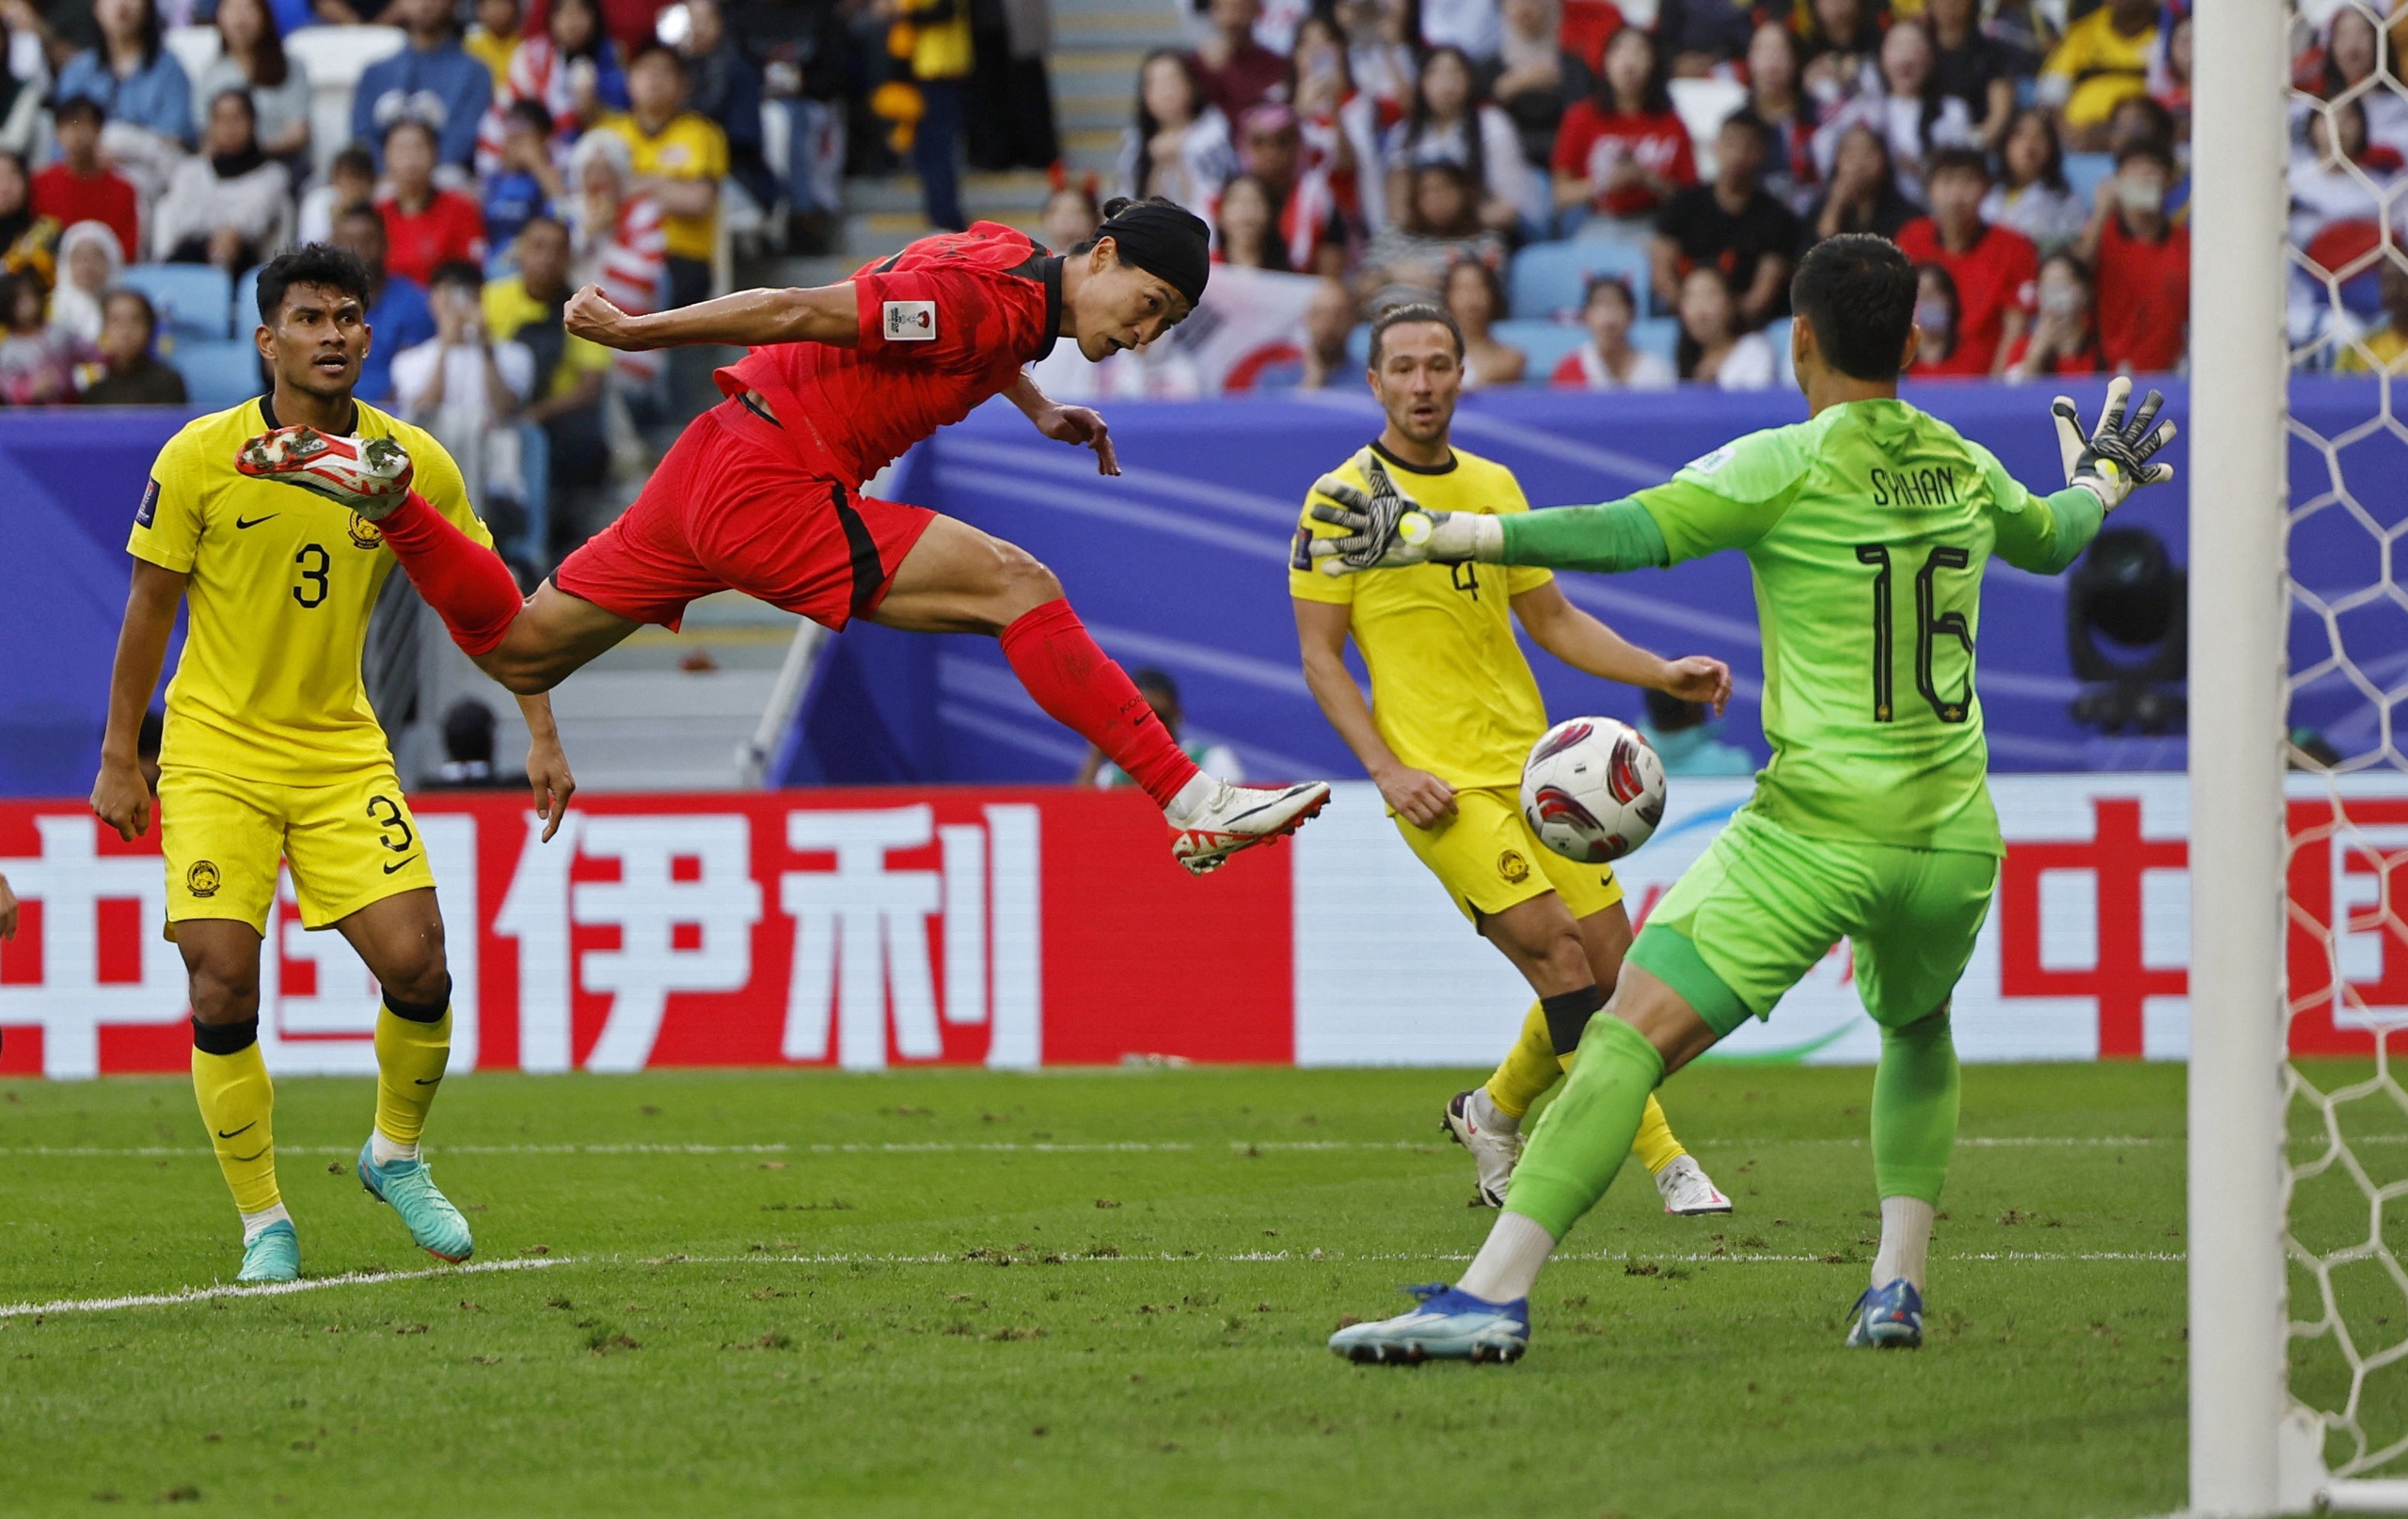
{"x":322,"y":264}
{"x":1398,"y":316}
{"x":1858,"y":292}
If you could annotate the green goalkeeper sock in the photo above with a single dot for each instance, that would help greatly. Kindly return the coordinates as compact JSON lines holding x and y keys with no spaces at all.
{"x":1914,"y":1109}
{"x":1582,"y":1141}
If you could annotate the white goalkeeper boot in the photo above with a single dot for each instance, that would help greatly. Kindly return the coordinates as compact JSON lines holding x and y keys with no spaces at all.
{"x":1212,"y":820}
{"x":1689,"y":1192}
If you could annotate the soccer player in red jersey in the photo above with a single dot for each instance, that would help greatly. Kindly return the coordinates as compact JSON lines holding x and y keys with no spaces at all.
{"x":763,"y":493}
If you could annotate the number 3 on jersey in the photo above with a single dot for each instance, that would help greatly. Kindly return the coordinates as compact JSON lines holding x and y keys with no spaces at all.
{"x":310,"y":564}
{"x":1930,"y":625}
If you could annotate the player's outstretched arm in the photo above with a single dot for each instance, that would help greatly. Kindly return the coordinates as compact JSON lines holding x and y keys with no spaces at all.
{"x":828,"y":314}
{"x":1080,"y":426}
{"x":1385,"y":527}
{"x":1589,"y":645}
{"x":121,"y":796}
{"x":2046,"y":534}
{"x":547,"y":770}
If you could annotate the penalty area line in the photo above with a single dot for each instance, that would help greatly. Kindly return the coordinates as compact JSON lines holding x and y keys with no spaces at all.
{"x":242,"y":1290}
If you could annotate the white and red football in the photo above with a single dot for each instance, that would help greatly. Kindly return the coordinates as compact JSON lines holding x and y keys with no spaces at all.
{"x":1592,"y":789}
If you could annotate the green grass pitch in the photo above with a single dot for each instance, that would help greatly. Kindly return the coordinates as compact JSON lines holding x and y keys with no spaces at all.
{"x":962,"y":1292}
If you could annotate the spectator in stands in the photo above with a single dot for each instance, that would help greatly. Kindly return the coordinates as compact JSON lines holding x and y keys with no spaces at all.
{"x":1471,"y":27}
{"x":809,"y":68}
{"x":572,"y":70}
{"x":1449,"y":124}
{"x":351,"y":181}
{"x":23,"y":78}
{"x":1338,"y":126}
{"x":397,"y":311}
{"x":27,"y":241}
{"x":1305,"y":216}
{"x":725,"y":86}
{"x":2142,"y":261}
{"x":1777,"y":97}
{"x":1440,"y":227}
{"x":464,"y":385}
{"x":1247,"y":234}
{"x":1967,"y":66}
{"x":133,"y":76}
{"x":2102,"y":59}
{"x":1180,"y":148}
{"x":2139,"y":118}
{"x":1622,"y":151}
{"x":1234,"y":71}
{"x":570,"y":372}
{"x":1608,"y":361}
{"x":1843,"y":41}
{"x":1995,"y":269}
{"x":629,"y":23}
{"x":680,"y":156}
{"x":252,"y":58}
{"x":1329,"y":323}
{"x":1908,"y":111}
{"x":1864,"y":196}
{"x":1940,"y":320}
{"x":493,"y":38}
{"x":1475,"y":296}
{"x":1683,"y":735}
{"x":2032,"y":196}
{"x":424,"y":224}
{"x":230,"y":204}
{"x":527,"y":182}
{"x":1534,"y":80}
{"x":1382,"y":44}
{"x":432,"y":79}
{"x":36,"y":366}
{"x":2064,"y":339}
{"x":2384,"y":348}
{"x":90,"y":262}
{"x":2348,"y":59}
{"x":1714,"y":349}
{"x":940,"y":58}
{"x":1010,"y":97}
{"x":616,"y":237}
{"x":130,"y":374}
{"x":1070,"y":217}
{"x":2338,"y":184}
{"x":2169,"y":83}
{"x":1704,"y":37}
{"x":80,"y":187}
{"x":1731,"y":224}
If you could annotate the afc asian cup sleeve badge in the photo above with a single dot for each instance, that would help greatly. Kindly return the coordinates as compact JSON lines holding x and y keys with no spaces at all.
{"x":364,"y":533}
{"x":148,"y":513}
{"x":911,"y":321}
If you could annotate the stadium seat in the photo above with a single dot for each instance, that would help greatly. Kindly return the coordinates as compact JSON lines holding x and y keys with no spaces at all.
{"x":334,"y":57}
{"x":1777,"y":333}
{"x":1545,"y":342}
{"x":1551,"y":280}
{"x":246,"y":302}
{"x":195,"y":47}
{"x":219,"y":375}
{"x":1704,"y":105}
{"x":193,"y":299}
{"x":1658,"y":335}
{"x":2084,"y":172}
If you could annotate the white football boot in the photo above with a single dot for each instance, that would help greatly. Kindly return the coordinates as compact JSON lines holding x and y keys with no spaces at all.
{"x":1493,"y":1152}
{"x":1689,"y":1192}
{"x":1222,"y":819}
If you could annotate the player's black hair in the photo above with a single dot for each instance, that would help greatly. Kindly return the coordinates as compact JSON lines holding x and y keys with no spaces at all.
{"x":1396,"y":316}
{"x":1858,"y":292}
{"x":1957,"y":161}
{"x":322,"y":264}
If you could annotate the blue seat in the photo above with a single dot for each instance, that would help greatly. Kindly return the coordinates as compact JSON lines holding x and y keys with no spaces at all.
{"x":193,"y":299}
{"x":2084,"y":172}
{"x":218,"y":374}
{"x":246,"y":302}
{"x":1658,"y":335}
{"x":1552,"y":278}
{"x":1545,"y":342}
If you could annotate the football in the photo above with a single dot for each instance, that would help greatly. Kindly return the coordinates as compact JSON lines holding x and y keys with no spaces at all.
{"x":1592,"y":789}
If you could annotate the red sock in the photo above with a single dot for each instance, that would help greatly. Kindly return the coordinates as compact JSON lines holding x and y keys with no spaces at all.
{"x":466,"y":583}
{"x":1079,"y":687}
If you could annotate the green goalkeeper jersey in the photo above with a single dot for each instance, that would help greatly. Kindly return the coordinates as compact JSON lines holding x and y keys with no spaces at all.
{"x":1868,"y":530}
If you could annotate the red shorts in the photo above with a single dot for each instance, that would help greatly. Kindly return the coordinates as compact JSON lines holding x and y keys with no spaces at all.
{"x":733,"y":507}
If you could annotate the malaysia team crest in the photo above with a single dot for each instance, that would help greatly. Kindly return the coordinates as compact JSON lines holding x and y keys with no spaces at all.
{"x":364,"y":533}
{"x":911,"y":321}
{"x":1512,"y":868}
{"x":202,"y":880}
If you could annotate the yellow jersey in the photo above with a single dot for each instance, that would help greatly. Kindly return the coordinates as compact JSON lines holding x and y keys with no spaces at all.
{"x":283,"y":581}
{"x":691,"y":146}
{"x":1451,"y":691}
{"x":2100,"y":67}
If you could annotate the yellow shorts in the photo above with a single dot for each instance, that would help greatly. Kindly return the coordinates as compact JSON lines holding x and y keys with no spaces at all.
{"x":349,"y":844}
{"x":1488,"y":858}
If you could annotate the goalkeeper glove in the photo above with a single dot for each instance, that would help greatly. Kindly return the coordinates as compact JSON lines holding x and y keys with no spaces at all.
{"x":1386,"y":528}
{"x":2113,"y":461}
{"x":370,"y":476}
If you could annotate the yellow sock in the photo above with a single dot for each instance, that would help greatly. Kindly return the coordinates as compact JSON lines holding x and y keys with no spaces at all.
{"x":410,"y":1056}
{"x":238,"y":1104}
{"x":1529,"y":1069}
{"x":1655,"y":1147}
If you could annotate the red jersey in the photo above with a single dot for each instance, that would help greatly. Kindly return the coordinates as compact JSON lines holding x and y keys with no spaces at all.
{"x":449,"y":228}
{"x":1998,"y":273}
{"x":1589,"y":142}
{"x":61,"y":192}
{"x":2144,"y":298}
{"x":945,"y":325}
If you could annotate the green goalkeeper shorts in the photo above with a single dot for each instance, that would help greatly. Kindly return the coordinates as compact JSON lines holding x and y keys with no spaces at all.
{"x":1763,"y":904}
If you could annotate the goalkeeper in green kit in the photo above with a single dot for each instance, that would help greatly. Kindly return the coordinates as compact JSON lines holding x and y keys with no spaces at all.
{"x":1868,"y":527}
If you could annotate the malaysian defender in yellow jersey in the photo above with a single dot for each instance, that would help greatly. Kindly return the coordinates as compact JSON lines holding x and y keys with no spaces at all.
{"x":1453,"y":713}
{"x":272,"y":753}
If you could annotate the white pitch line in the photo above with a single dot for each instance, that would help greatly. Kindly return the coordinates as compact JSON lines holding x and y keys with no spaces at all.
{"x":234,"y":1290}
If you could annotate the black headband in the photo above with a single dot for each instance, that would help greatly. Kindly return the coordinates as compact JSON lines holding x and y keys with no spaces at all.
{"x":1166,"y":241}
